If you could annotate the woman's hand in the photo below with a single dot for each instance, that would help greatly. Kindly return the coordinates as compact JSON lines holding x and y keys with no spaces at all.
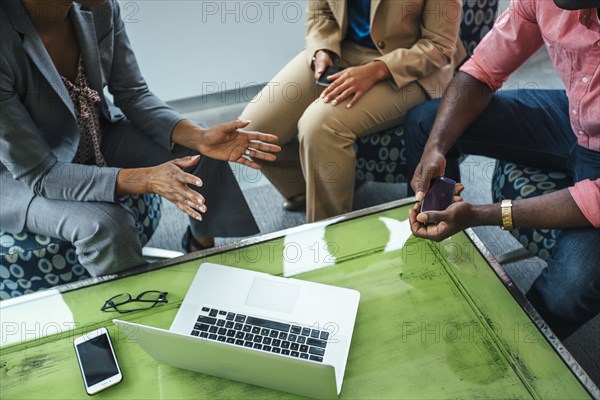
{"x":439,"y":225}
{"x":227,"y":142}
{"x":323,"y":59}
{"x":354,"y":81}
{"x":168,"y":180}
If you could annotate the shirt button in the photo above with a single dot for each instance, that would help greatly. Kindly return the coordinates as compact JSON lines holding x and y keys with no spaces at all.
{"x":598,"y":44}
{"x":381,"y":44}
{"x":574,"y":112}
{"x":581,"y":133}
{"x":585,"y":79}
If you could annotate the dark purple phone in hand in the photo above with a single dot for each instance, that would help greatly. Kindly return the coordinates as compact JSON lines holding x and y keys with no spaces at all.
{"x":440,"y":194}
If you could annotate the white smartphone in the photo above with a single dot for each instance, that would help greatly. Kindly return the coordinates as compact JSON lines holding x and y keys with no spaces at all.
{"x":97,"y":361}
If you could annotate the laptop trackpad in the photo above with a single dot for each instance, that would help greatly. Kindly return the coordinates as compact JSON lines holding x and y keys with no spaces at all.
{"x":274,"y":296}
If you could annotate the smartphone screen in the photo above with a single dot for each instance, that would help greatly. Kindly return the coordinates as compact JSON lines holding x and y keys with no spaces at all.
{"x":323,"y":81}
{"x":98,"y":362}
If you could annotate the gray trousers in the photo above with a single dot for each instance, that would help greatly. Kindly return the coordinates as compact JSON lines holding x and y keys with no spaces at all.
{"x":104,"y":234}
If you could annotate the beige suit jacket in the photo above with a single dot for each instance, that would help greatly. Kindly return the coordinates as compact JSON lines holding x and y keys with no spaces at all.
{"x":418,"y":40}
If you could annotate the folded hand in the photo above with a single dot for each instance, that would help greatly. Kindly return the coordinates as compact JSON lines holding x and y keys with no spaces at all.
{"x":439,"y":225}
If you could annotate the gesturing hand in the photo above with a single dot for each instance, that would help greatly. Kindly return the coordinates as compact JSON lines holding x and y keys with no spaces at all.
{"x":432,"y":165}
{"x":228,"y":142}
{"x":171,"y":182}
{"x":354,"y":81}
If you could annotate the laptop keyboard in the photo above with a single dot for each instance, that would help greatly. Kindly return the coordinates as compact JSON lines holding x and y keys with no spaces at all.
{"x":261,"y":334}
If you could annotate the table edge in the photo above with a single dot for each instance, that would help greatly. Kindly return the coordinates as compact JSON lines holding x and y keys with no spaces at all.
{"x":535,"y":317}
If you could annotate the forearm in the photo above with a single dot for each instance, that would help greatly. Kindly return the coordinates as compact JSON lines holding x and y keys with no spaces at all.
{"x":464,"y":101}
{"x":132,"y":181}
{"x":187,"y":134}
{"x":555,"y":210}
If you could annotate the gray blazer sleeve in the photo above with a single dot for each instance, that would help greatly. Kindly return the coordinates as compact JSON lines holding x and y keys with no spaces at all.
{"x":131,"y":94}
{"x":30,"y":160}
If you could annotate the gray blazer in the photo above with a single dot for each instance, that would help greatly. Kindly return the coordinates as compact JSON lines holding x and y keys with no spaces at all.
{"x":38,"y":129}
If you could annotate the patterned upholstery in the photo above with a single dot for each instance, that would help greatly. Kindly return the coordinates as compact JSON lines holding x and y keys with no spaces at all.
{"x":381,"y":157}
{"x":512,"y":181}
{"x":29,"y":262}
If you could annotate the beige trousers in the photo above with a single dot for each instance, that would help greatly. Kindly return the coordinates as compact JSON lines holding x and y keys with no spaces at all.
{"x":321,"y":162}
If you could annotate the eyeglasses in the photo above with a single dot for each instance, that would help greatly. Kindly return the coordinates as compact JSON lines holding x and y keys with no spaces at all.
{"x":124,"y":303}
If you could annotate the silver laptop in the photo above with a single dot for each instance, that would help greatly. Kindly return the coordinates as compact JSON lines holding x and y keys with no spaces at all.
{"x":252,"y":327}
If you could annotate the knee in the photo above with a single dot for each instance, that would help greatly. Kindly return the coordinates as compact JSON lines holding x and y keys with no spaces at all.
{"x":115,"y":223}
{"x":109,"y":243}
{"x":419,"y":121}
{"x":569,"y":288}
{"x":318,"y":128}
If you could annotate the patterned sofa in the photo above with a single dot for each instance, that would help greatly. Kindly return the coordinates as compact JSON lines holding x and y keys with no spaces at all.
{"x":514,"y":181}
{"x":381,"y":157}
{"x":29,"y":262}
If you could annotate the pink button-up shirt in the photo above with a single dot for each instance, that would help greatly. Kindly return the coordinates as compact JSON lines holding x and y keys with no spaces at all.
{"x":573,"y":42}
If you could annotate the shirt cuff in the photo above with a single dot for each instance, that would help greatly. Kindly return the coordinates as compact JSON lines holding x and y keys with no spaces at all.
{"x":474,"y":68}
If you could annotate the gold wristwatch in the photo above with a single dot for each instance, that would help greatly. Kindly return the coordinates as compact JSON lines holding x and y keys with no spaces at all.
{"x":507,"y":220}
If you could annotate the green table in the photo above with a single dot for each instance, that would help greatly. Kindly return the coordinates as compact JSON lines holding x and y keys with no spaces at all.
{"x":434,"y":321}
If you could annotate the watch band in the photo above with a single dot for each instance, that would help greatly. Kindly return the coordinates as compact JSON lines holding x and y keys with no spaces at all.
{"x":507,"y":220}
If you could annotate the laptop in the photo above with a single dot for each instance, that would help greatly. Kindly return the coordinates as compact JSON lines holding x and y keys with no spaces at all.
{"x":280,"y":333}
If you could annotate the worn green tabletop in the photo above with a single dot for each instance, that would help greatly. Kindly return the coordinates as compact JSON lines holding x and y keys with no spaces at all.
{"x":434,"y":321}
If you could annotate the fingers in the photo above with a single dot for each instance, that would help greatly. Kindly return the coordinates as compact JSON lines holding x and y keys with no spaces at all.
{"x":414,"y":183}
{"x":320,"y":67}
{"x":322,"y":61}
{"x":355,"y":99}
{"x":253,"y":153}
{"x":423,"y":184}
{"x":258,"y":145}
{"x":430,"y":217}
{"x":247,"y":162}
{"x":190,"y":179}
{"x":417,"y":228}
{"x":261,"y":137}
{"x":335,"y":76}
{"x":429,"y":170}
{"x":334,"y":90}
{"x":190,"y":194}
{"x":235,"y":125}
{"x":189,"y":211}
{"x":343,"y":96}
{"x":458,"y":188}
{"x":327,"y":91}
{"x":186,"y":162}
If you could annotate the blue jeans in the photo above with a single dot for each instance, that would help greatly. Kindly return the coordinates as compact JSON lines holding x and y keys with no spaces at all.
{"x":532,"y":127}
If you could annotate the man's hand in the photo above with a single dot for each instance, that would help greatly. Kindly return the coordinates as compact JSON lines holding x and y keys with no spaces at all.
{"x":323,"y":59}
{"x":227,"y":142}
{"x":438,"y":225}
{"x":432,"y":165}
{"x":354,"y":81}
